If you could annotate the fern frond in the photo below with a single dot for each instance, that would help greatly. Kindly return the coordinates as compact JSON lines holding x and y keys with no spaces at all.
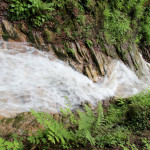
{"x":100,"y":115}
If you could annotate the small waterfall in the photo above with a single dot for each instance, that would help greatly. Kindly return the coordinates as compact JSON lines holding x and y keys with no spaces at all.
{"x":123,"y":81}
{"x":33,"y":79}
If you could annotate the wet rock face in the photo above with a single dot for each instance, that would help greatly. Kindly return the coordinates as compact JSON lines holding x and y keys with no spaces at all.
{"x":91,"y":61}
{"x":1,"y":32}
{"x":10,"y":32}
{"x":146,"y":53}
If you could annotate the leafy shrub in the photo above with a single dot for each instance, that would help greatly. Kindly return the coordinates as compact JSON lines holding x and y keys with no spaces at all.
{"x":112,"y":137}
{"x":118,"y":20}
{"x":116,"y":26}
{"x":138,"y":112}
{"x":7,"y":145}
{"x":34,"y":11}
{"x":137,"y":117}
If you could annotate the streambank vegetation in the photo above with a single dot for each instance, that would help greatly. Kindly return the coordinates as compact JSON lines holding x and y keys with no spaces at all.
{"x":115,"y":22}
{"x":125,"y":124}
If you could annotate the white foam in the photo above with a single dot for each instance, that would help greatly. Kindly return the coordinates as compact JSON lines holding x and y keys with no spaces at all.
{"x":32,"y":79}
{"x":122,"y":80}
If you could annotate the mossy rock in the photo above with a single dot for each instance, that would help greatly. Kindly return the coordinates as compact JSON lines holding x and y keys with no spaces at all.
{"x":8,"y":31}
{"x":31,"y":37}
{"x":49,"y":36}
{"x":60,"y":52}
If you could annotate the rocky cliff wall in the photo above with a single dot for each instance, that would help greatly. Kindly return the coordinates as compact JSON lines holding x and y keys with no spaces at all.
{"x":91,"y":59}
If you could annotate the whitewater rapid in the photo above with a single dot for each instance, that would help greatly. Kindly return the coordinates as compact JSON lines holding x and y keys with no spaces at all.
{"x":33,"y":79}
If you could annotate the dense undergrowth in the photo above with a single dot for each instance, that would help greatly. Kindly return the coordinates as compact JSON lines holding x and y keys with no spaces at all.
{"x":121,"y":126}
{"x":115,"y":22}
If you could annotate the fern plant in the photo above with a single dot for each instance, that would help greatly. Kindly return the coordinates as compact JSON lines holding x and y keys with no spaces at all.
{"x":88,"y":124}
{"x":147,"y":144}
{"x":81,"y":129}
{"x":55,"y":132}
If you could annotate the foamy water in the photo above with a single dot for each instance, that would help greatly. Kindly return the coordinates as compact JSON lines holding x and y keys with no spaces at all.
{"x":32,"y":79}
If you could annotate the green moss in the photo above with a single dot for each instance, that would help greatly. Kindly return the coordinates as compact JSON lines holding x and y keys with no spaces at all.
{"x":5,"y":33}
{"x":31,"y":37}
{"x":121,"y":52}
{"x":49,"y":36}
{"x":58,"y":52}
{"x":9,"y":121}
{"x":18,"y":120}
{"x":136,"y":66}
{"x":69,"y":50}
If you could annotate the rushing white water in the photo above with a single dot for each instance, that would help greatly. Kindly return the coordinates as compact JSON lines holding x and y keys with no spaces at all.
{"x":32,"y":79}
{"x":123,"y":81}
